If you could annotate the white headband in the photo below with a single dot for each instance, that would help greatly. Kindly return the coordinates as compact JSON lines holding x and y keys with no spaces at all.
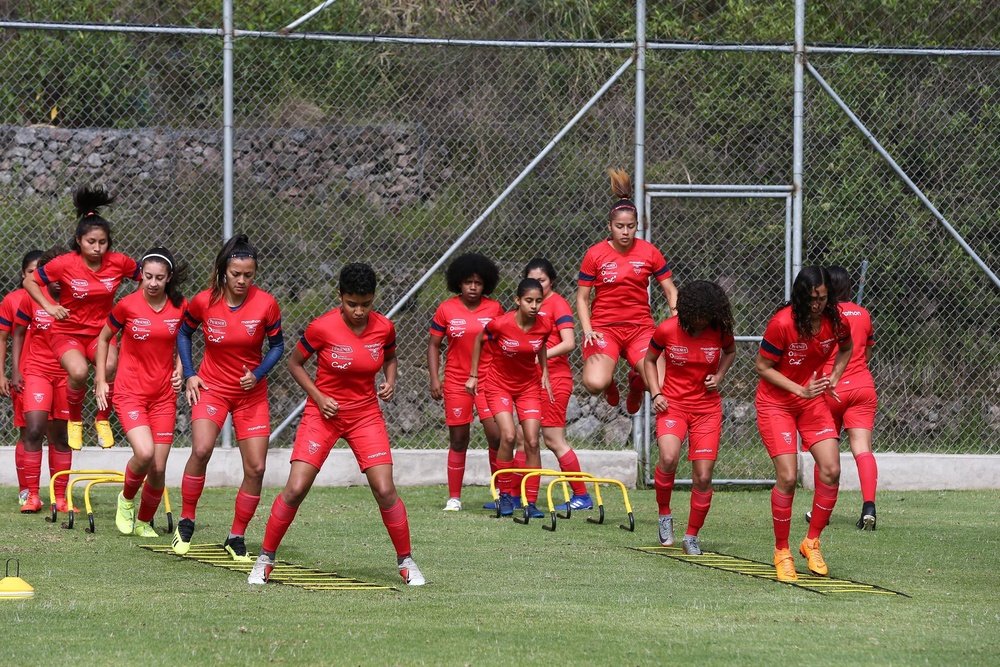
{"x":163,"y":257}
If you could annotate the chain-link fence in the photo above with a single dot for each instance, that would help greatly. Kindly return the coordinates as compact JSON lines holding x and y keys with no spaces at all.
{"x":385,"y":151}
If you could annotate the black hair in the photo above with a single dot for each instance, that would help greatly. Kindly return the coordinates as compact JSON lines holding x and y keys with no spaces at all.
{"x":238,"y":247}
{"x":621,"y":188}
{"x":704,"y":302}
{"x":29,"y":257}
{"x":465,"y":266}
{"x":177,"y":271}
{"x":527,"y":284}
{"x":88,"y":200}
{"x":357,"y":278}
{"x":47,"y":256}
{"x":543,"y":264}
{"x":809,"y":279}
{"x":841,"y":285}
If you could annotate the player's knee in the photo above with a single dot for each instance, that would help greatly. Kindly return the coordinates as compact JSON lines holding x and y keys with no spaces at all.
{"x":830,"y":474}
{"x":785,"y":482}
{"x":594,"y":385}
{"x":254,"y":470}
{"x":668,"y":462}
{"x":294,"y":494}
{"x":385,"y":494}
{"x":701,"y":482}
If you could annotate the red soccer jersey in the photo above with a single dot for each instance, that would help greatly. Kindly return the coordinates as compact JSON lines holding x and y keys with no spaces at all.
{"x":515,"y":351}
{"x":233,"y":336}
{"x":856,"y":375}
{"x":8,"y":308}
{"x":347,"y":363}
{"x":460,"y":326}
{"x":147,"y":348}
{"x":557,"y":309}
{"x":621,"y":281}
{"x":796,"y":359}
{"x":37,"y":357}
{"x":690,"y":359}
{"x":87,"y":295}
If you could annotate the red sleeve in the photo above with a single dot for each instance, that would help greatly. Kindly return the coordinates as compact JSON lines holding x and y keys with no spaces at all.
{"x":25,"y":311}
{"x":588,"y":269}
{"x":272,"y":320}
{"x":773,"y":345}
{"x":194,"y":313}
{"x":390,"y":336}
{"x":130,"y":268}
{"x":311,"y":340}
{"x":117,"y":317}
{"x":53,"y":270}
{"x":562,"y":316}
{"x":661,"y":268}
{"x":439,"y":325}
{"x":8,"y":312}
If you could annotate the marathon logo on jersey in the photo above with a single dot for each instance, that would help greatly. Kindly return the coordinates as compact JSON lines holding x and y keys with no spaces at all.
{"x":608,"y":272}
{"x":79,"y":288}
{"x":314,"y":446}
{"x":250,"y":326}
{"x":826,"y":430}
{"x":172,"y":325}
{"x":483,"y":321}
{"x":826,"y":345}
{"x":851,"y":313}
{"x":374,"y":349}
{"x":787,"y":437}
{"x":456,"y":327}
{"x":258,"y":427}
{"x":535,"y":343}
{"x":711,"y":353}
{"x":133,"y":415}
{"x":637,"y":267}
{"x":215,"y":330}
{"x":109,"y":284}
{"x":38,"y":397}
{"x":376,"y":455}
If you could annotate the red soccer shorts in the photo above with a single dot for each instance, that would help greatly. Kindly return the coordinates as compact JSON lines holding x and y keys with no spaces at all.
{"x":158,"y":414}
{"x":365,"y":434}
{"x":855,"y":410}
{"x":778,"y":425}
{"x":17,"y":402}
{"x":86,"y":344}
{"x":45,"y":395}
{"x":527,"y":400}
{"x":703,"y":430}
{"x":458,"y":404}
{"x":554,"y":413}
{"x":251,"y":413}
{"x":621,"y":340}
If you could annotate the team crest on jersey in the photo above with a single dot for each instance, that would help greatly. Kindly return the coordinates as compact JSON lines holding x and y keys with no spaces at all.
{"x":211,"y":410}
{"x":483,"y":321}
{"x":825,"y":345}
{"x":171,"y":325}
{"x":787,"y":437}
{"x":535,"y":343}
{"x":710,"y":353}
{"x":250,"y":326}
{"x":133,"y":415}
{"x":505,"y":401}
{"x":637,"y":267}
{"x":109,"y":284}
{"x":38,"y":397}
{"x":314,"y":446}
{"x":373,"y":349}
{"x":457,"y":412}
{"x":671,"y":423}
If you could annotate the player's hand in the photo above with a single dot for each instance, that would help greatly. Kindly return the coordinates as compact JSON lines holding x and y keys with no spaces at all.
{"x":712,"y":382}
{"x":248,"y":380}
{"x":194,"y":389}
{"x":815,"y":386}
{"x":592,"y":337}
{"x":660,"y":404}
{"x":16,"y":381}
{"x":547,"y":386}
{"x":101,"y":392}
{"x":176,"y":381}
{"x":4,"y":386}
{"x":57,"y":311}
{"x":328,"y":407}
{"x":386,"y":390}
{"x":833,"y":394}
{"x":471,"y":385}
{"x":436,"y":391}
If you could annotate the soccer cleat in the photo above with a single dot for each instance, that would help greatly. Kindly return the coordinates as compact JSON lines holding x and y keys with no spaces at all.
{"x":506,"y":505}
{"x":581,"y":502}
{"x":611,"y":394}
{"x":410,"y":573}
{"x":666,"y":530}
{"x":74,"y":435}
{"x":533,"y":512}
{"x":125,"y":516}
{"x":143,"y":529}
{"x":691,"y":545}
{"x":22,"y":496}
{"x":814,"y":559}
{"x":182,"y":537}
{"x":454,"y":505}
{"x":491,"y":506}
{"x":867,"y":520}
{"x":261,"y":572}
{"x":784,"y":565}
{"x":62,"y":505}
{"x":31,"y":504}
{"x":633,"y":401}
{"x":237,"y":548}
{"x":516,"y":502}
{"x":105,"y":436}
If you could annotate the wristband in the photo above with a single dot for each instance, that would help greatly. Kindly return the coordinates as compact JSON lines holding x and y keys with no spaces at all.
{"x":654,"y":397}
{"x":474,"y":377}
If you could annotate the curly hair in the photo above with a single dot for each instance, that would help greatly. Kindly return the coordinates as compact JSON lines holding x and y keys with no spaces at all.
{"x":88,"y":200}
{"x":841,"y":286}
{"x":465,"y":266}
{"x":357,"y":278}
{"x":704,"y":303}
{"x":810,"y":278}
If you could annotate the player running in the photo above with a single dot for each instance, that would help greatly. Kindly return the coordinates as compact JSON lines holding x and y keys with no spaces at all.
{"x":699,"y":348}
{"x":236,"y":317}
{"x":798,"y":340}
{"x":619,"y":322}
{"x":149,"y":378}
{"x":515,"y":380}
{"x":472,"y":278}
{"x":352,"y":343}
{"x":88,"y":279}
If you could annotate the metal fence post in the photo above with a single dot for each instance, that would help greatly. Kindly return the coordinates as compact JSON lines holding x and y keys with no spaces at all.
{"x":227,"y":150}
{"x":798,"y":105}
{"x":640,"y":422}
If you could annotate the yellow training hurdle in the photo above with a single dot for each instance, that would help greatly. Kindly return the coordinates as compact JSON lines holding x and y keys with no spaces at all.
{"x":86,"y":496}
{"x":93,"y":477}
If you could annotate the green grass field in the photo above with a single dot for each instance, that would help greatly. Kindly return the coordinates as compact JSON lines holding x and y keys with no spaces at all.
{"x":500,"y":593}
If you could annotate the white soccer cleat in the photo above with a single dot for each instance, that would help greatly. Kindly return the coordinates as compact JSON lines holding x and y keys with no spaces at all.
{"x":410,"y":573}
{"x":453,"y":505}
{"x":261,"y":572}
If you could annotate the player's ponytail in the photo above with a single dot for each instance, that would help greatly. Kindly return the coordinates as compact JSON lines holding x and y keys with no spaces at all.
{"x":88,"y":201}
{"x":621,"y":188}
{"x":237,"y":247}
{"x":177,"y":272}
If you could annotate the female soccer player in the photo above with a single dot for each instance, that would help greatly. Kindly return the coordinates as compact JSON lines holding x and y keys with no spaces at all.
{"x":232,"y":379}
{"x":699,"y":348}
{"x":619,"y":322}
{"x":12,"y":386}
{"x":472,"y":278}
{"x":560,"y":343}
{"x":797,"y":342}
{"x":858,"y":401}
{"x":88,"y":278}
{"x":351,"y":343}
{"x":514,"y":382}
{"x":148,"y":381}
